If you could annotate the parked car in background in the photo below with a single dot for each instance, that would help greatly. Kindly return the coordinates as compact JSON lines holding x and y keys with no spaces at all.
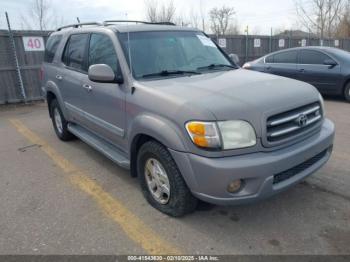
{"x":326,"y":68}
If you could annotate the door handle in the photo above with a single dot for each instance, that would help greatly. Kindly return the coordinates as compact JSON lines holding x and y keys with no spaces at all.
{"x":302,"y":70}
{"x":58,"y":77}
{"x":87,"y":87}
{"x":268,"y":68}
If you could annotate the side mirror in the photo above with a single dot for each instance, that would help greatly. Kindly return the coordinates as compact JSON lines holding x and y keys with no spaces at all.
{"x":234,"y":58}
{"x":103,"y":73}
{"x":331,"y":63}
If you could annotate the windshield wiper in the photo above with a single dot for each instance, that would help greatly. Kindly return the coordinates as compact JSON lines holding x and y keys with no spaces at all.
{"x":170,"y":72}
{"x":216,"y":66}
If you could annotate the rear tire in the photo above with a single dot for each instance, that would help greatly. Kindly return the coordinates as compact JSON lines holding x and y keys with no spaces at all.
{"x":60,"y":124}
{"x":347,"y":92}
{"x":175,"y":201}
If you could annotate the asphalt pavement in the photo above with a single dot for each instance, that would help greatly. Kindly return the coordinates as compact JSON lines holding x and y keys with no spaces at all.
{"x":66,"y":198}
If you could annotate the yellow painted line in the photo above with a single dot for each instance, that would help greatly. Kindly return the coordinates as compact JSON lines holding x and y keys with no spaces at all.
{"x":133,"y":227}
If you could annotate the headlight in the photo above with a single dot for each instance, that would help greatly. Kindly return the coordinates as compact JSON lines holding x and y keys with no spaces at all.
{"x":204,"y":134}
{"x":234,"y":134}
{"x":237,"y":134}
{"x":247,"y":65}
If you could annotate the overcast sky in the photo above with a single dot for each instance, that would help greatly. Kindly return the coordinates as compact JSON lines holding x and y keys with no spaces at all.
{"x":258,"y":14}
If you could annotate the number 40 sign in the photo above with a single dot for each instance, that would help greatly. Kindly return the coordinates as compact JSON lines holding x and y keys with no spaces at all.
{"x":33,"y":43}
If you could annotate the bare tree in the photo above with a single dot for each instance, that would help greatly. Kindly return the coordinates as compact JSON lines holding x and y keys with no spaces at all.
{"x":343,"y":28}
{"x":220,"y":19}
{"x":194,"y":18}
{"x":160,"y":13}
{"x":319,"y":16}
{"x":202,"y":13}
{"x":40,"y":15}
{"x":151,"y":10}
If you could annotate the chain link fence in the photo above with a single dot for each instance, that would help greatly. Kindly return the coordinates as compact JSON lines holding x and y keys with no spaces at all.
{"x":251,"y":47}
{"x":29,"y":67}
{"x":246,"y":47}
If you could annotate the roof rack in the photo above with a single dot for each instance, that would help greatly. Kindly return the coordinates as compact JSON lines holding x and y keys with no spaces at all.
{"x":79,"y":25}
{"x":109,"y":22}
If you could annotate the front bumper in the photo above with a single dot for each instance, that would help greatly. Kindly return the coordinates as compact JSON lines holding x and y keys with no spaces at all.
{"x":208,"y":178}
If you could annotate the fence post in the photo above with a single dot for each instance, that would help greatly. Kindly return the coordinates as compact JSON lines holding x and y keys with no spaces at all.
{"x":18,"y":70}
{"x":246,"y":44}
{"x":290,"y":38}
{"x":271,"y":41}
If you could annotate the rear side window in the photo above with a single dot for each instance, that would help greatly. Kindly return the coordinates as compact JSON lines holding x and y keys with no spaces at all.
{"x":101,"y":51}
{"x":310,"y":57}
{"x":289,"y":57}
{"x":74,"y":53}
{"x":51,"y":48}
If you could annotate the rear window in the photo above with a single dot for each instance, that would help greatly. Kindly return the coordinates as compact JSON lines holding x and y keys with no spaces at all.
{"x":74,"y":53}
{"x":51,"y":48}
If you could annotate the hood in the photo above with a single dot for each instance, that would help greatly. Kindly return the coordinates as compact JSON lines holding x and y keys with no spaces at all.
{"x":237,"y":94}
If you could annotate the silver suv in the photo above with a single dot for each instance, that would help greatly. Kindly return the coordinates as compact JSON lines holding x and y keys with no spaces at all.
{"x":167,"y":103}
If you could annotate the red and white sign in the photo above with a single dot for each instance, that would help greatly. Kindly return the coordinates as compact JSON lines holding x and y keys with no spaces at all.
{"x":33,"y":43}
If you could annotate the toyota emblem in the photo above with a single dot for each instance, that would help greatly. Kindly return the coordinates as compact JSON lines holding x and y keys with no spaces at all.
{"x":302,"y":120}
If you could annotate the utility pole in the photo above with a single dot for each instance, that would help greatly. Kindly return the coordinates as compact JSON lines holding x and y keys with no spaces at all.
{"x":271,"y":41}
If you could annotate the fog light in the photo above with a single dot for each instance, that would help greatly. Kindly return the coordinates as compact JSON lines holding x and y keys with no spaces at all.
{"x":235,"y":186}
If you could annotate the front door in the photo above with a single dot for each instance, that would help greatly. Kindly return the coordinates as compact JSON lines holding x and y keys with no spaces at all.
{"x":311,"y":69}
{"x":283,"y":64}
{"x":105,"y":103}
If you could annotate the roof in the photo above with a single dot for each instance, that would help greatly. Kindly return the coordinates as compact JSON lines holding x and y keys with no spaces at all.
{"x":325,"y":48}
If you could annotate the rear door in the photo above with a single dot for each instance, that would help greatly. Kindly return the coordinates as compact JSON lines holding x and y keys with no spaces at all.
{"x":75,"y":68}
{"x":311,"y":69}
{"x":283,"y":63}
{"x":105,"y":107}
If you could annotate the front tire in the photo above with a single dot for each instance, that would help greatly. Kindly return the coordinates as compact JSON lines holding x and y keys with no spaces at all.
{"x":60,"y":124}
{"x":347,"y":92}
{"x":161,"y":181}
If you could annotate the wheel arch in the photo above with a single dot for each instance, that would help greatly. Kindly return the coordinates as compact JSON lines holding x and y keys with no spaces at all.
{"x":150,"y":127}
{"x":53,"y":92}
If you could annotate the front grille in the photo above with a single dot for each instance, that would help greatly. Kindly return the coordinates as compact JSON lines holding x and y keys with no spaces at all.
{"x":283,"y":176}
{"x":292,"y":123}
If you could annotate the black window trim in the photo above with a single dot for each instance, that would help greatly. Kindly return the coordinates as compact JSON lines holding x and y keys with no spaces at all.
{"x":85,"y":69}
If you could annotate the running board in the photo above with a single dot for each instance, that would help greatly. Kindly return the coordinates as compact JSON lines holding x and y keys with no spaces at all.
{"x":109,"y":150}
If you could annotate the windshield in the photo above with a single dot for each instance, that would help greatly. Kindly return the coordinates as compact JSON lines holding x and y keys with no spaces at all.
{"x":172,"y":53}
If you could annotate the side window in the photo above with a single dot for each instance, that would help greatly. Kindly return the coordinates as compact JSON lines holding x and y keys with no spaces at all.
{"x":269,"y":59}
{"x":101,"y":51}
{"x":288,"y":57}
{"x":75,"y":51}
{"x":310,"y":57}
{"x":51,"y":48}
